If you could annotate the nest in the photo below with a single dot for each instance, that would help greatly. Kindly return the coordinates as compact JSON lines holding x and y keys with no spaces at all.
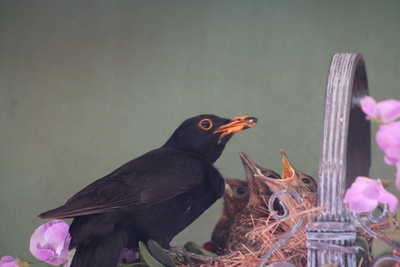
{"x":271,"y":231}
{"x":267,"y":233}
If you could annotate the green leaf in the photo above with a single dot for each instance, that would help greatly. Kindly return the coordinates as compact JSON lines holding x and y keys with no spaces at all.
{"x":194,"y":248}
{"x":379,"y":248}
{"x":147,"y":257}
{"x":392,"y":234}
{"x":158,"y":252}
{"x":186,"y":256}
{"x":364,"y":252}
{"x":71,"y":255}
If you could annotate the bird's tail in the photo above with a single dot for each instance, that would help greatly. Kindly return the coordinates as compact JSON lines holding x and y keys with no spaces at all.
{"x":103,"y":251}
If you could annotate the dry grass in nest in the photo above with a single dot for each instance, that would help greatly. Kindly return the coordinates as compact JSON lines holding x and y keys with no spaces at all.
{"x":269,"y":232}
{"x":294,"y":250}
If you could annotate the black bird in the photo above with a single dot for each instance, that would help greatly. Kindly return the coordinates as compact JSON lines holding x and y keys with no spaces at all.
{"x":236,"y":197}
{"x":255,"y":212}
{"x":154,"y":196}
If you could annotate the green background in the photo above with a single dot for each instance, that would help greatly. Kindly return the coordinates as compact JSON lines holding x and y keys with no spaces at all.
{"x":86,"y":86}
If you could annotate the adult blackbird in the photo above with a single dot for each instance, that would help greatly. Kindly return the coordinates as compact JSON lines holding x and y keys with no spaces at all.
{"x":255,"y":212}
{"x":154,"y":196}
{"x":236,"y":197}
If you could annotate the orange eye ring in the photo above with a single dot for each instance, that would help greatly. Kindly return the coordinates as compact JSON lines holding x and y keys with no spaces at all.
{"x":205,"y":124}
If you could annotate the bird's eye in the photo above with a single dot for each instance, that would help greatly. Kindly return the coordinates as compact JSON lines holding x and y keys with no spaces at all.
{"x":268,"y":174}
{"x":306,"y":180}
{"x":205,"y":124}
{"x":241,"y":190}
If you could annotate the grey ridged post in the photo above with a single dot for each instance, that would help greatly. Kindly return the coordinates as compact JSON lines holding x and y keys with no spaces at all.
{"x":345,"y":154}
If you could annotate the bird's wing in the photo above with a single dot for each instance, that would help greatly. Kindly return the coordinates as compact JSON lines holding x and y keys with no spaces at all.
{"x":104,"y":195}
{"x":137,"y":183}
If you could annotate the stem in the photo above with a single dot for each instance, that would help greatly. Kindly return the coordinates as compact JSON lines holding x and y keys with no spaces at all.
{"x":34,"y":263}
{"x":22,"y":262}
{"x":397,"y":210}
{"x":392,"y":226}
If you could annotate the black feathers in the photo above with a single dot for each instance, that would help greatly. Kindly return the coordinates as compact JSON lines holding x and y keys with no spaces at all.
{"x":154,"y":196}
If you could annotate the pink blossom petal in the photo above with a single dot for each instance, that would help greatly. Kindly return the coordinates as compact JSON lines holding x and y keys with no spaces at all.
{"x":50,"y":242}
{"x":389,"y":160}
{"x":362,"y":205}
{"x":128,"y":256}
{"x":43,"y":253}
{"x":369,"y":106}
{"x":398,"y":176}
{"x":388,"y":135}
{"x":354,"y":194}
{"x":389,"y":110}
{"x":372,"y":190}
{"x":56,"y":235}
{"x":8,"y":261}
{"x":365,"y":194}
{"x":62,"y":257}
{"x":388,"y":139}
{"x":388,"y":198}
{"x":38,"y":237}
{"x":392,"y":154}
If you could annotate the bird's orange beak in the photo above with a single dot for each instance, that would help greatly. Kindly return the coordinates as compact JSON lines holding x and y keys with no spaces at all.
{"x":236,"y":124}
{"x":288,"y":171}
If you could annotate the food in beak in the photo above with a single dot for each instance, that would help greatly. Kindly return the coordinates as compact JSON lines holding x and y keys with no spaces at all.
{"x":236,"y":124}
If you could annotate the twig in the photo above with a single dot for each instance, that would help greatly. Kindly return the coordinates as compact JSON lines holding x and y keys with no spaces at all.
{"x":205,"y":258}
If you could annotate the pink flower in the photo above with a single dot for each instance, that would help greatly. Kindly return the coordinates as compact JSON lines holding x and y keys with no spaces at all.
{"x":365,"y":194}
{"x":388,"y":139}
{"x":128,"y":256}
{"x":8,"y":261}
{"x":50,"y":242}
{"x":386,"y":111}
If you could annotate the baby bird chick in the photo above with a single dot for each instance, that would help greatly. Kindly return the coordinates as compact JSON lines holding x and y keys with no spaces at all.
{"x":296,"y":181}
{"x":256,"y":210}
{"x":236,"y":197}
{"x":244,"y":233}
